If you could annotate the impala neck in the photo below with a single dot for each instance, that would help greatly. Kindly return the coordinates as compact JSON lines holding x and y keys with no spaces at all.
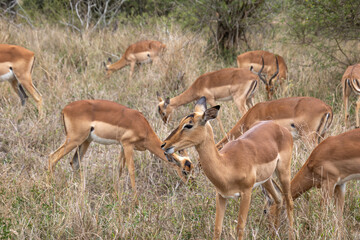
{"x":302,"y":182}
{"x":211,"y":160}
{"x":153,"y":144}
{"x":186,"y":97}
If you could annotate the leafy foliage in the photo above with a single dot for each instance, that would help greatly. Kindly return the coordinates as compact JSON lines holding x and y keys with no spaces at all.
{"x":327,"y":26}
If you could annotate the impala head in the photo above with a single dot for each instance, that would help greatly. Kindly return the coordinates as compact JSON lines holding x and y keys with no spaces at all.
{"x":164,"y":108}
{"x":192,"y":128}
{"x":270,"y":88}
{"x":182,"y":162}
{"x":107,"y":70}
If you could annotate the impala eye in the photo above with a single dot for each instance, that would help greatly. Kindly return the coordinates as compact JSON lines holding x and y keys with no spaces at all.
{"x":188,"y":126}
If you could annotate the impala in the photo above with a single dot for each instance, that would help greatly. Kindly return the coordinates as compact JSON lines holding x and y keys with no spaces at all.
{"x":335,"y":161}
{"x":254,"y":59}
{"x":108,"y":122}
{"x":241,"y":165}
{"x":139,"y":52}
{"x":350,"y":83}
{"x":310,"y":116}
{"x":238,"y":84}
{"x":16,"y":64}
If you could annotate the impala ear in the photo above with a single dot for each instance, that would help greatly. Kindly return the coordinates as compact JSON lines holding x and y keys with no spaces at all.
{"x":158,"y":97}
{"x":200,"y":105}
{"x":167,"y":101}
{"x":211,"y":113}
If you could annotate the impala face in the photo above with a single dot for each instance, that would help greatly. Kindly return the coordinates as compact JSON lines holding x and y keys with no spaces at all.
{"x":183,"y":162}
{"x":164,"y":109}
{"x":191,"y":129}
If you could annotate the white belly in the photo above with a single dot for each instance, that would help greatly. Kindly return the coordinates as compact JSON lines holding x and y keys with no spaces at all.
{"x":100,"y":140}
{"x":7,"y":76}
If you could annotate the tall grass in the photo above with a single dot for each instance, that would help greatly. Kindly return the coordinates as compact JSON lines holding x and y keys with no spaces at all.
{"x":97,"y":204}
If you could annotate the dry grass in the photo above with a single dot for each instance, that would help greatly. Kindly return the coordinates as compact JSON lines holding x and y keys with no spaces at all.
{"x":97,"y":204}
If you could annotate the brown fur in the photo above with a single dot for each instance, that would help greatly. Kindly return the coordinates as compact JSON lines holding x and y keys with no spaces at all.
{"x":253,"y":58}
{"x":311,"y":117}
{"x":250,"y":159}
{"x":110,"y":121}
{"x":142,"y":51}
{"x":21,"y":61}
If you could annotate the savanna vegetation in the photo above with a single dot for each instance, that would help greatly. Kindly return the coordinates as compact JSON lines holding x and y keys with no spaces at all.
{"x":71,"y":39}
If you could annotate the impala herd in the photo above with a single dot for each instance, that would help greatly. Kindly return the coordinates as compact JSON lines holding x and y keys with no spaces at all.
{"x":259,"y":145}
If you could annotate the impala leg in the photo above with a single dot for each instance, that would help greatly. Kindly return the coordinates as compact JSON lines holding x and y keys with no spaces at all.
{"x":339,"y":195}
{"x":129,"y":152}
{"x":346,"y":94}
{"x":30,"y":88}
{"x":64,"y":149}
{"x":220,"y":212}
{"x":122,"y":161}
{"x":244,"y":209}
{"x":241,"y":104}
{"x":284,"y":175}
{"x":275,"y":209}
{"x":17,"y":89}
{"x":80,"y":152}
{"x":357,"y":112}
{"x":132,"y":68}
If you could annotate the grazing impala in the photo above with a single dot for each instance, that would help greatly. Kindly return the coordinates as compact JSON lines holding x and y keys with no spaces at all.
{"x":139,"y":52}
{"x":335,"y":161}
{"x":254,"y":59}
{"x":238,"y":84}
{"x":350,"y":83}
{"x":310,"y":116}
{"x":16,"y":65}
{"x":108,"y":122}
{"x":241,"y":165}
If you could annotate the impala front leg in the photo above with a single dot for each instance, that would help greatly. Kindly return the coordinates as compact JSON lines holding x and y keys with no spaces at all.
{"x":220,"y":211}
{"x":244,"y":209}
{"x":129,"y":152}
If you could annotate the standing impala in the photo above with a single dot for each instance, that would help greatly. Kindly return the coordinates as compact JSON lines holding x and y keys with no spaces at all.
{"x":238,"y":84}
{"x":139,"y":52}
{"x":241,"y":165}
{"x":310,"y":116}
{"x":108,"y":122}
{"x":254,"y":58}
{"x":350,"y":83}
{"x":16,"y":65}
{"x":335,"y":161}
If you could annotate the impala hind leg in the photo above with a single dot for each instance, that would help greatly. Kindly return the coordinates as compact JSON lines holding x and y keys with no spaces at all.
{"x":219,"y":217}
{"x":357,"y":112}
{"x":275,"y":209}
{"x":80,"y":152}
{"x":346,"y":93}
{"x":64,"y":149}
{"x":34,"y":93}
{"x":284,"y":175}
{"x":19,"y":91}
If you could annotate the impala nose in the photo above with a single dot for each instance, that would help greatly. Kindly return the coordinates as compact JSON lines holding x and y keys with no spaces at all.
{"x":162,"y":146}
